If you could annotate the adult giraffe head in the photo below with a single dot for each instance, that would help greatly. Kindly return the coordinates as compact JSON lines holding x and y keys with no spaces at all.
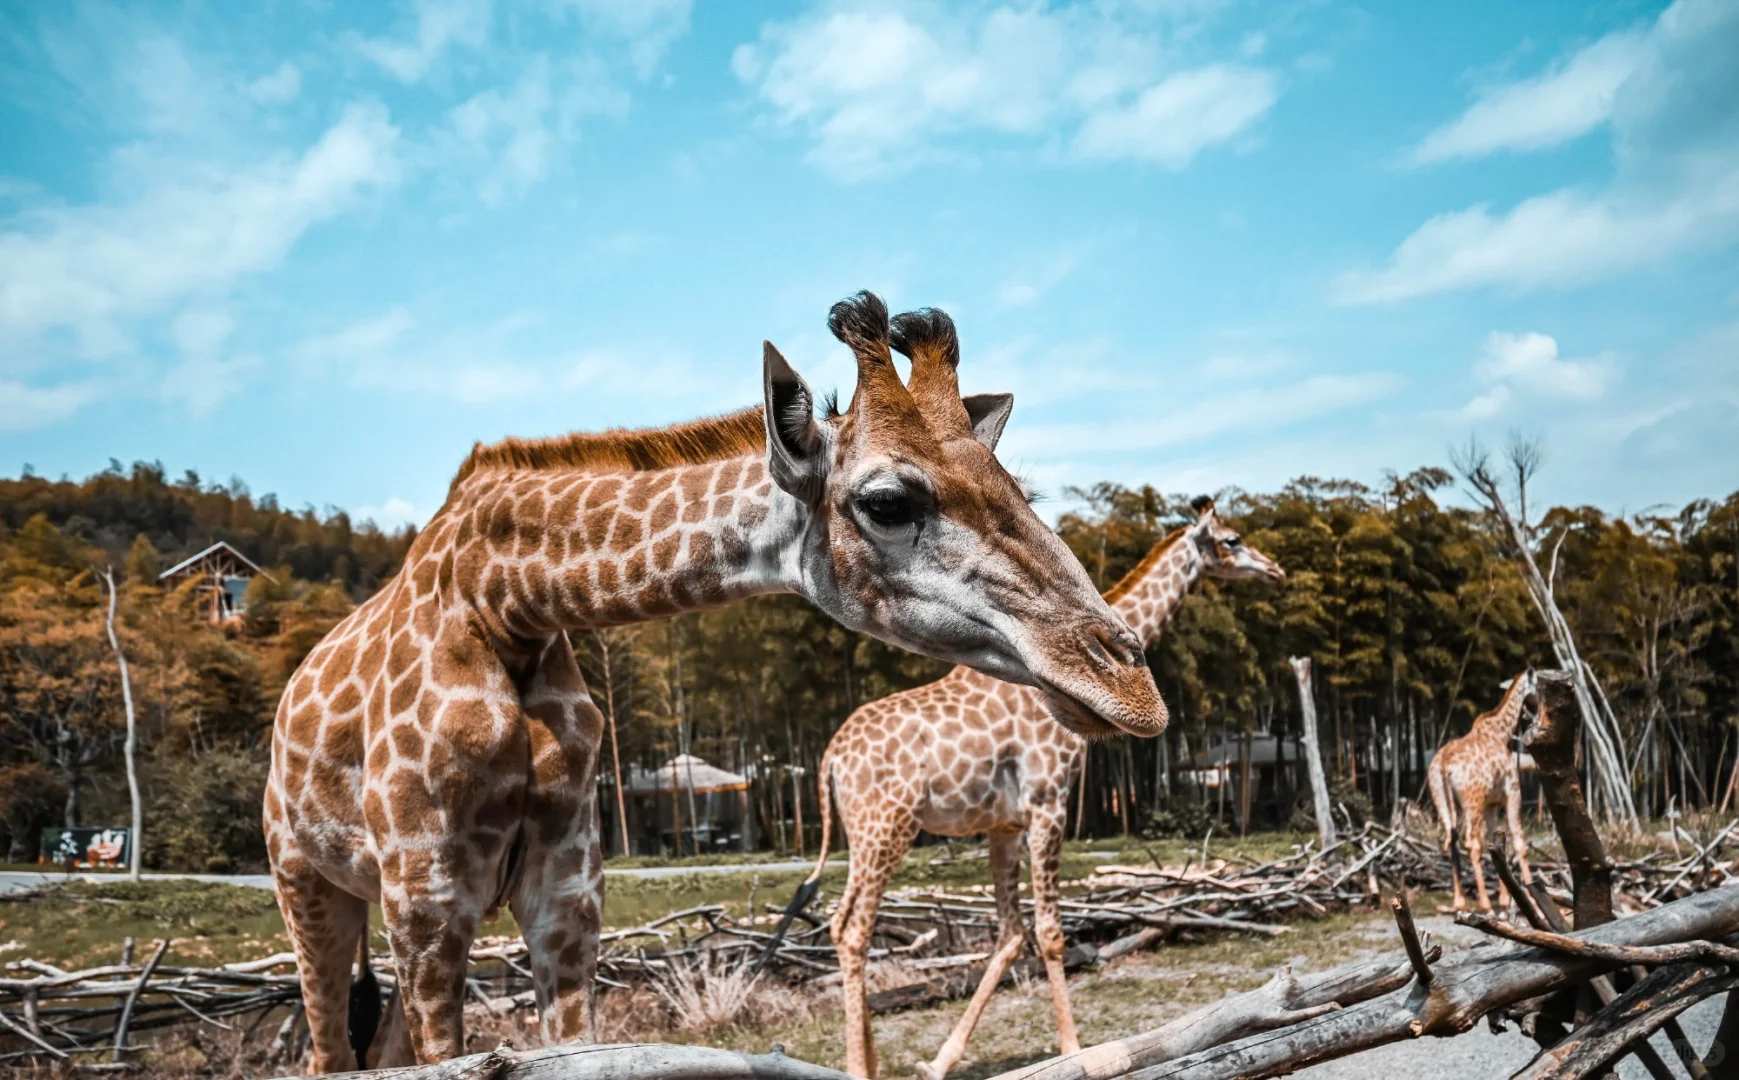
{"x":1224,"y":553}
{"x":917,"y":534}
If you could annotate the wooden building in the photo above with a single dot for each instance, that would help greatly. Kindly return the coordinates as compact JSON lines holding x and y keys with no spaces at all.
{"x":223,"y":574}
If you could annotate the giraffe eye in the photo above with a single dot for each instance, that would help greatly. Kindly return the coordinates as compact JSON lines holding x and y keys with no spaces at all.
{"x":889,"y":509}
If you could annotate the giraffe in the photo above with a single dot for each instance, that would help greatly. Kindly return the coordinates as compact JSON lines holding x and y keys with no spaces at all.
{"x":436,"y":752}
{"x":1471,"y":777}
{"x":969,"y":754}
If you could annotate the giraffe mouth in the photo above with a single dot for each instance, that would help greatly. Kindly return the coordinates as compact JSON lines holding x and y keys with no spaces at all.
{"x":1077,"y":717}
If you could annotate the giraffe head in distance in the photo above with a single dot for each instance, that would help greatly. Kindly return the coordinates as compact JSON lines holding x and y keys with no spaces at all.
{"x":915,"y":533}
{"x":1223,"y":552}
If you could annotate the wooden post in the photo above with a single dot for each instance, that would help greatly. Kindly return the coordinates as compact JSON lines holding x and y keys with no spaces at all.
{"x":675,"y":809}
{"x":1313,"y":752}
{"x":130,"y":748}
{"x":797,"y":805}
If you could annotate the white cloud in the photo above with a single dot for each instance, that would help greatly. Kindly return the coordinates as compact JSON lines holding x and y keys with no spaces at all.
{"x":880,"y":88}
{"x":1532,"y":360}
{"x":204,"y":378}
{"x":1026,"y":288}
{"x":280,"y":86}
{"x":1256,"y":408}
{"x":1570,"y":100}
{"x":89,"y":269}
{"x":26,"y":408}
{"x":509,"y":132}
{"x":647,"y":27}
{"x":1514,"y":367}
{"x":1564,"y":237}
{"x":440,"y":25}
{"x":392,"y":514}
{"x":1169,"y":124}
{"x":1486,"y":405}
{"x":1675,"y":134}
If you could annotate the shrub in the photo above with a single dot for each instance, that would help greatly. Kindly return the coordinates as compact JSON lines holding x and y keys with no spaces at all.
{"x":205,"y":817}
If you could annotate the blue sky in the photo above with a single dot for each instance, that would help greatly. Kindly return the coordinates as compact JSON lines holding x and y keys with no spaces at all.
{"x":325,"y":247}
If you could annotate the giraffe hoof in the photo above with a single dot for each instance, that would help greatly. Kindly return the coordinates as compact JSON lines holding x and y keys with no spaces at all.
{"x":926,"y":1071}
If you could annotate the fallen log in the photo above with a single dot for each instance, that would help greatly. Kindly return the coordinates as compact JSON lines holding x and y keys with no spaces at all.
{"x":1465,"y":987}
{"x":1631,"y":1018}
{"x":1284,"y":1000}
{"x":630,"y":1061}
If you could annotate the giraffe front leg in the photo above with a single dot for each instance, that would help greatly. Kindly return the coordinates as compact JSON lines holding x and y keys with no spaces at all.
{"x":1045,"y":847}
{"x":559,"y":904}
{"x":559,"y":895}
{"x":1005,"y":872}
{"x":432,"y":911}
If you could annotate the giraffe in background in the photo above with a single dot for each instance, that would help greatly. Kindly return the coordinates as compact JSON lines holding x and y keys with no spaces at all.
{"x":1471,"y":778}
{"x":437,"y":751}
{"x":970,"y":754}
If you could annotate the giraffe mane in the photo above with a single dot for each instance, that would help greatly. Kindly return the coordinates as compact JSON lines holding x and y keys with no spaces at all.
{"x":1127,"y":583}
{"x":711,"y":438}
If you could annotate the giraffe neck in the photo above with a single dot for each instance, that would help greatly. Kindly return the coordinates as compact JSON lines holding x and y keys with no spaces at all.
{"x":539,"y":551}
{"x":1154,"y":599}
{"x":1500,"y":723}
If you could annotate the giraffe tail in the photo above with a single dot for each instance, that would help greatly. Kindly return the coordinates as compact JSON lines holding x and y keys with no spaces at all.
{"x":364,"y":1004}
{"x":812,"y":884}
{"x":1444,"y":800}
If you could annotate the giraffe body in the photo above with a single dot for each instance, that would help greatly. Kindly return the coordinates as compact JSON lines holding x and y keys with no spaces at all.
{"x":1474,"y":778}
{"x":971,"y":754}
{"x":437,"y":751}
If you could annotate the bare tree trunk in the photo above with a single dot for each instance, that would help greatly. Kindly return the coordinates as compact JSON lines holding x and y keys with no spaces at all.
{"x":615,"y":744}
{"x":1313,"y":752}
{"x":129,"y":749}
{"x":1613,"y":793}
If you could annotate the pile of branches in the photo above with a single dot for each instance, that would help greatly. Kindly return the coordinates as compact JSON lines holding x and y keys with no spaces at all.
{"x":940,"y":936}
{"x":82,"y":1017}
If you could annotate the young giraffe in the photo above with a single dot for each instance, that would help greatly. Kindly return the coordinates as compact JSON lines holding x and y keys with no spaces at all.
{"x":969,"y":754}
{"x":1476,"y":775}
{"x":437,"y":751}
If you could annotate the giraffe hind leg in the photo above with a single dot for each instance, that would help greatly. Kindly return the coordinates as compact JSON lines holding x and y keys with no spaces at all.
{"x":324,"y":924}
{"x":1005,"y":871}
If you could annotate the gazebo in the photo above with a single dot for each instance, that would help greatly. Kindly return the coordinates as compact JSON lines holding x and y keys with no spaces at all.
{"x":692,"y":801}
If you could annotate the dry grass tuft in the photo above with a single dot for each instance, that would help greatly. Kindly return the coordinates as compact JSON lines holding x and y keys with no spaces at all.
{"x":708,"y":995}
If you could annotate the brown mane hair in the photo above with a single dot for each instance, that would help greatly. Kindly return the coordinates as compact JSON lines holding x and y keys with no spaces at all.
{"x":711,"y":438}
{"x":1126,"y":584}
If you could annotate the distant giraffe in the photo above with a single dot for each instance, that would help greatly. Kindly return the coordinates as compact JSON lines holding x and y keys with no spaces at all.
{"x":1474,"y":776}
{"x":437,"y":751}
{"x":969,"y":754}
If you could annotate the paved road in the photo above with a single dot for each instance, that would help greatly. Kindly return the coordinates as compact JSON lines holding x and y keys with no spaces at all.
{"x":19,"y":880}
{"x":1481,"y":1054}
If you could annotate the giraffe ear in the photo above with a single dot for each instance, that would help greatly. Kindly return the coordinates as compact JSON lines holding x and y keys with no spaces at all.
{"x":797,"y":456}
{"x":988,"y":413}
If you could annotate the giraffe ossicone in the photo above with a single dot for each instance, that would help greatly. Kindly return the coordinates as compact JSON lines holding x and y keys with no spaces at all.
{"x":437,"y":750}
{"x":970,"y":754}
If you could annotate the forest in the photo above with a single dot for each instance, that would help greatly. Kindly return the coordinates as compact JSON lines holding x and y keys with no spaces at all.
{"x":1406,"y":595}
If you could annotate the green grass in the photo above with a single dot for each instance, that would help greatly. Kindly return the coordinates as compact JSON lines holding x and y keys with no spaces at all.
{"x":79,"y":923}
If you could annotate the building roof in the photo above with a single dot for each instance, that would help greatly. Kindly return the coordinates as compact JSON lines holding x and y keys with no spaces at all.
{"x":218,"y":549}
{"x":688,"y":773}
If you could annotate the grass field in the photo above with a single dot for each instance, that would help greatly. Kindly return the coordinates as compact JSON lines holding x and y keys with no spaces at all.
{"x":79,"y":923}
